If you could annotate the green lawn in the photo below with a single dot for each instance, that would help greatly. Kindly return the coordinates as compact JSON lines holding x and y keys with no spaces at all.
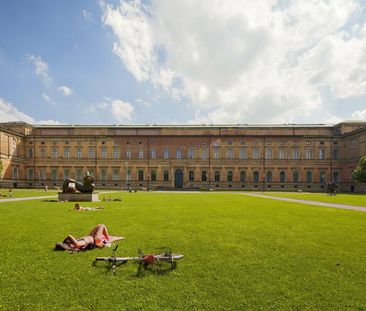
{"x":241,"y":253}
{"x":348,"y":199}
{"x":22,"y":193}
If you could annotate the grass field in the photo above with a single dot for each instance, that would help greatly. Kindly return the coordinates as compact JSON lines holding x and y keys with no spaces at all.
{"x":22,"y":193}
{"x":241,"y":253}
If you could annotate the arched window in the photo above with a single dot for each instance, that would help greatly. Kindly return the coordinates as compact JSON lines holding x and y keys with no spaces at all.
{"x":204,"y":176}
{"x":217,"y":176}
{"x":282,"y":176}
{"x":229,"y":176}
{"x":269,"y":176}
{"x":295,"y":176}
{"x":243,"y":176}
{"x":191,"y":176}
{"x":255,"y":176}
{"x":309,"y":177}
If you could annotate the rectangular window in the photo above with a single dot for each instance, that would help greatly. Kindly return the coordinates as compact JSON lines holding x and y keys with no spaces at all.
{"x":216,"y":154}
{"x":230,"y":154}
{"x":79,"y":153}
{"x":53,"y":174}
{"x":141,"y":175}
{"x":308,"y":154}
{"x":153,"y":175}
{"x":30,"y":174}
{"x":66,"y":173}
{"x":166,"y":175}
{"x":30,"y":153}
{"x":103,"y":153}
{"x":282,"y":154}
{"x":322,"y":154}
{"x":153,"y":154}
{"x":79,"y":175}
{"x":256,"y":154}
{"x":268,"y":154}
{"x":190,"y":153}
{"x":179,"y":154}
{"x":42,"y":174}
{"x":166,"y":154}
{"x":242,"y":154}
{"x":204,"y":154}
{"x":115,"y":175}
{"x":103,"y":174}
{"x":91,"y":153}
{"x":128,"y":154}
{"x":43,"y":153}
{"x":295,"y":154}
{"x":115,"y":153}
{"x":67,"y":153}
{"x":54,"y":153}
{"x":128,"y":175}
{"x":141,"y":154}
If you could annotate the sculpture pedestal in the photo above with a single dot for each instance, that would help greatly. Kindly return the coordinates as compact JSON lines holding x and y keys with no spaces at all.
{"x":78,"y":197}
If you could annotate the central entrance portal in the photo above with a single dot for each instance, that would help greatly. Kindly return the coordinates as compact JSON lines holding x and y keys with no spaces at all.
{"x":178,"y":178}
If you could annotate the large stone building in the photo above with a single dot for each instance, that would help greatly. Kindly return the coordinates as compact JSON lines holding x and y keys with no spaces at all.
{"x":242,"y":156}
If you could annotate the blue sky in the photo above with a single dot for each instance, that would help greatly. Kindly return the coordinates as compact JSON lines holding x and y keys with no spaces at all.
{"x":170,"y":61}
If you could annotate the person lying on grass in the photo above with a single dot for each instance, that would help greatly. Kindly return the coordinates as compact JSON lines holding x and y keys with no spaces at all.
{"x":78,"y":207}
{"x":98,"y":237}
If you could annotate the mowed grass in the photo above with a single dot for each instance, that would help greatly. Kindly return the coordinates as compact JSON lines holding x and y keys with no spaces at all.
{"x":241,"y":253}
{"x":340,"y":198}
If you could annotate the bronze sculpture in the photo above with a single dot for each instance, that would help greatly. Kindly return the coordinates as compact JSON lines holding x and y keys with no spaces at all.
{"x":87,"y":186}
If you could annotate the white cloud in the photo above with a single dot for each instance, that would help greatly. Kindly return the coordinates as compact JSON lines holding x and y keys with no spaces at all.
{"x":10,"y":113}
{"x":121,"y":110}
{"x":243,"y":61}
{"x":65,"y":90}
{"x":359,"y":115}
{"x":48,"y":122}
{"x":40,"y":67}
{"x":47,"y":99}
{"x":87,"y":15}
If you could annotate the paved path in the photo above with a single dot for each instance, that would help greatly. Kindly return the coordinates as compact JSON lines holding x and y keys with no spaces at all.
{"x":28,"y":198}
{"x":41,"y":197}
{"x":342,"y":206}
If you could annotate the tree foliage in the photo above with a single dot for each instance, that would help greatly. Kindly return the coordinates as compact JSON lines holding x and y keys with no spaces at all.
{"x":359,"y":173}
{"x":1,"y":167}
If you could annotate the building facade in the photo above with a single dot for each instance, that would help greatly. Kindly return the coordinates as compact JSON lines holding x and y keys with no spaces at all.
{"x":238,"y":157}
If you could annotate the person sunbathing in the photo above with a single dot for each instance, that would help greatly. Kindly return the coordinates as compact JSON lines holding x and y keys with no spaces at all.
{"x":78,"y":207}
{"x":99,"y":237}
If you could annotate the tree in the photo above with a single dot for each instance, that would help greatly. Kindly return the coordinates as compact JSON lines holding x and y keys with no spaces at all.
{"x":359,"y":173}
{"x":1,"y":167}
